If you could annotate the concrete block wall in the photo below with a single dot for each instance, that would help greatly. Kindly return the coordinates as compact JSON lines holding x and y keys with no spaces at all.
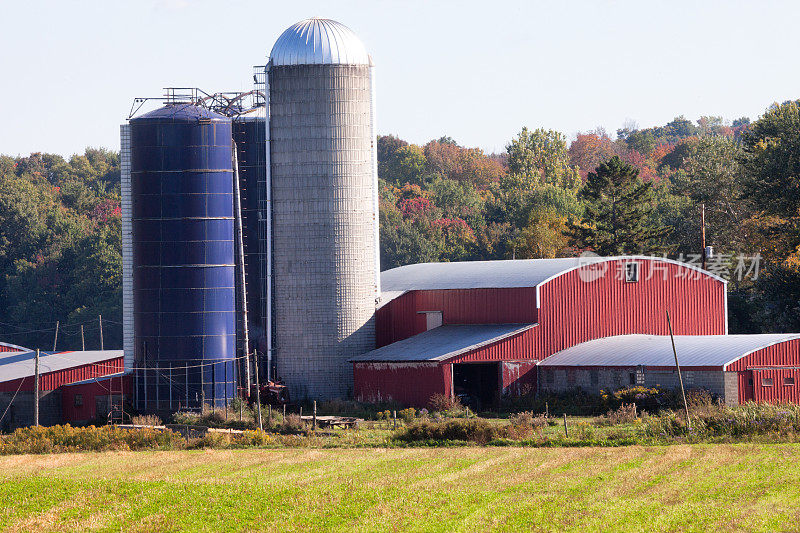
{"x":594,"y":380}
{"x":20,"y":414}
{"x":324,"y":261}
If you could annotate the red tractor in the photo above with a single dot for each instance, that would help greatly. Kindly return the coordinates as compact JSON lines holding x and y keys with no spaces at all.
{"x":273,"y":393}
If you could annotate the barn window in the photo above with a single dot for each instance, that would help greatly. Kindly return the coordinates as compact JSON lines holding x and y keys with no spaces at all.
{"x":594,"y":376}
{"x":788,"y":381}
{"x":79,"y":400}
{"x":571,"y":376}
{"x":766,"y":382}
{"x":632,"y":378}
{"x":631,"y":272}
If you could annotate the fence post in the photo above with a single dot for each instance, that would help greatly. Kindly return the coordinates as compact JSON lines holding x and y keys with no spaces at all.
{"x":225,"y":366}
{"x":394,"y":416}
{"x":186,"y":368}
{"x":566,"y":432}
{"x":314,"y":420}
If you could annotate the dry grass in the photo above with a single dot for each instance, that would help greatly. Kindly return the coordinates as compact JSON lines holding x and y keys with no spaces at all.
{"x":691,"y":488}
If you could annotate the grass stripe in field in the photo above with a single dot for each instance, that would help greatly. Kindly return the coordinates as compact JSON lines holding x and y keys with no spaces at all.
{"x":692,"y":488}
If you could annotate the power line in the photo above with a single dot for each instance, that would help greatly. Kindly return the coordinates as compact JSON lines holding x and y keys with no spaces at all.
{"x":156,"y":368}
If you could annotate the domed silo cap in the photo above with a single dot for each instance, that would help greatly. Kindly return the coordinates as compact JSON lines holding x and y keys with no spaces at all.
{"x":317,"y":41}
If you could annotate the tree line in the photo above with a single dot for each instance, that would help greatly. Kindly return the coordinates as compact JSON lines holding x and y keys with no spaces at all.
{"x":640,"y":192}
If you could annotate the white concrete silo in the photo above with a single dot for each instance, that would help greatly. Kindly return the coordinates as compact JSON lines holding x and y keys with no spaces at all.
{"x":323,"y":174}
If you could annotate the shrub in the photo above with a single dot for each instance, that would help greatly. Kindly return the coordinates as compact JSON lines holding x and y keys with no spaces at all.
{"x":55,"y":439}
{"x":584,"y":431}
{"x":626,"y":414}
{"x":212,"y":439}
{"x":146,"y":420}
{"x":473,"y":430}
{"x":408,"y":415}
{"x":292,"y":424}
{"x":748,"y":420}
{"x":443,"y":403}
{"x":253,"y":438}
{"x":644,"y":398}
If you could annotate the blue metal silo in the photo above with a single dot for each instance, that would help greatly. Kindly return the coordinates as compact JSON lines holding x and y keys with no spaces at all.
{"x":183,"y":258}
{"x":249,"y":133}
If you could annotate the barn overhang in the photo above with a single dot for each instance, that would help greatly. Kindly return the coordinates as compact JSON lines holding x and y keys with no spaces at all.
{"x":656,"y":351}
{"x":441,"y":344}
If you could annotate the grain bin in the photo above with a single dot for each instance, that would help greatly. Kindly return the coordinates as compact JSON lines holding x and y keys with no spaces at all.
{"x":183,"y":258}
{"x":324,"y":206}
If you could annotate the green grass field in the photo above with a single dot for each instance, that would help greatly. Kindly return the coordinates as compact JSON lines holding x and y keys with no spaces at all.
{"x":689,"y":488}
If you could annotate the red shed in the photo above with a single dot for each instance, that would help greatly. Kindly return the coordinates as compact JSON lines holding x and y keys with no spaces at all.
{"x":85,"y":401}
{"x":55,"y":371}
{"x":543,"y":306}
{"x":737,"y":368}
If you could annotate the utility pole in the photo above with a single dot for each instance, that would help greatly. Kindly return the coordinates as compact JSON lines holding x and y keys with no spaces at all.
{"x":703,"y":234}
{"x":258,"y":391}
{"x":55,"y":339}
{"x":100,"y":317}
{"x":678,"y":367}
{"x":83,"y":340}
{"x":36,"y":390}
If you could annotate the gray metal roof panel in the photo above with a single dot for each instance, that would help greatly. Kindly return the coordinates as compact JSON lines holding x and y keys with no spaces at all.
{"x":656,"y":350}
{"x":444,"y":342}
{"x":495,"y":274}
{"x":14,"y":346}
{"x":18,"y":365}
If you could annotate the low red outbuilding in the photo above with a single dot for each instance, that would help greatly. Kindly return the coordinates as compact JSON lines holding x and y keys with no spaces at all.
{"x":736,"y":368}
{"x":56,"y":371}
{"x":479,"y":329}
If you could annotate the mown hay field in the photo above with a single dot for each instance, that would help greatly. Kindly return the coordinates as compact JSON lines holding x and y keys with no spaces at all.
{"x":669,"y":488}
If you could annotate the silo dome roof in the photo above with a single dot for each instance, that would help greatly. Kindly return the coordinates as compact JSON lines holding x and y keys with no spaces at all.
{"x":317,"y":41}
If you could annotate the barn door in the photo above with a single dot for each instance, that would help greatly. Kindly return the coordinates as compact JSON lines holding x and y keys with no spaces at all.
{"x":746,"y":386}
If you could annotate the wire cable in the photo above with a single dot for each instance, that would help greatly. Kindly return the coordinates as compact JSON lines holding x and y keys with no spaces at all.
{"x":21,"y":381}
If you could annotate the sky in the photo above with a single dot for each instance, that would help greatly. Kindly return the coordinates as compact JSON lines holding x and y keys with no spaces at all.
{"x":477,"y":71}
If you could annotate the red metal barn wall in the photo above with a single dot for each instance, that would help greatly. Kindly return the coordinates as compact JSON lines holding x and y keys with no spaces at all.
{"x":776,"y":362}
{"x":403,"y":317}
{"x":53,"y":380}
{"x":573,"y":311}
{"x":519,"y":377}
{"x":72,"y":413}
{"x":410,"y":383}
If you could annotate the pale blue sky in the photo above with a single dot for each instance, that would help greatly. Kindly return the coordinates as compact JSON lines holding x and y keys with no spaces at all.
{"x":475,"y":70}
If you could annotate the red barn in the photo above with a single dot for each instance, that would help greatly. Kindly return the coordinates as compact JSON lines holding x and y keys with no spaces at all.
{"x":479,"y":329}
{"x":56,"y":371}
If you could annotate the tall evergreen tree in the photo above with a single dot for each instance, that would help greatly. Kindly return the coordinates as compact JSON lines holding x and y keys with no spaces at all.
{"x":617,"y":219}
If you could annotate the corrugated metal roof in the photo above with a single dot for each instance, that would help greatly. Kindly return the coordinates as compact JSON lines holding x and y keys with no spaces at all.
{"x":656,"y":350}
{"x":444,"y":342}
{"x":18,"y":365}
{"x":8,"y":347}
{"x":493,"y":274}
{"x":317,"y":41}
